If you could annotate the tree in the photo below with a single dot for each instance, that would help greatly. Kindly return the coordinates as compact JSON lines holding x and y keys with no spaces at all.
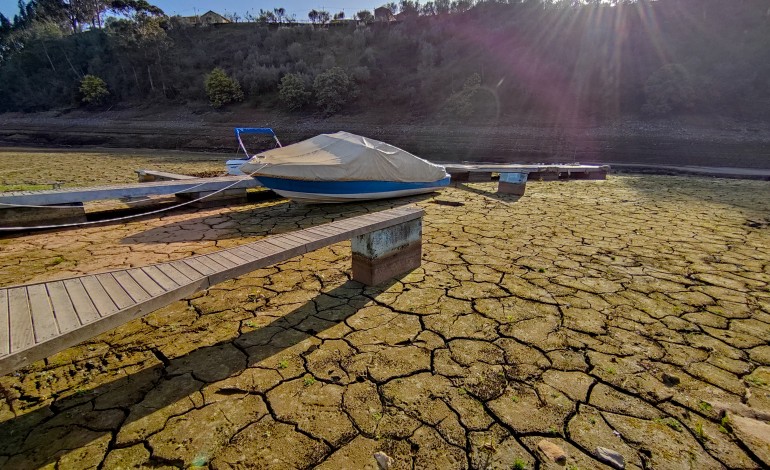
{"x":292,"y":91}
{"x":266,"y":17}
{"x":280,"y":14}
{"x":392,"y":6}
{"x":410,"y":7}
{"x":93,"y":90}
{"x":339,"y":16}
{"x":461,"y":104}
{"x":222,"y":89}
{"x":365,"y":16}
{"x":324,"y":17}
{"x":332,"y":89}
{"x":669,"y":89}
{"x":313,"y":16}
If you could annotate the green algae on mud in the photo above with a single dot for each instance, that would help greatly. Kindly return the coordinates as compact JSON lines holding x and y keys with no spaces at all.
{"x":562,"y":314}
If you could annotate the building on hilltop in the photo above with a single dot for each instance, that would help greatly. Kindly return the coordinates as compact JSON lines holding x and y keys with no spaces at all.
{"x":210,"y":17}
{"x":384,"y":15}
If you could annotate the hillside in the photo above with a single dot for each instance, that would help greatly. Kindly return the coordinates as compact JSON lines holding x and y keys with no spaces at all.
{"x":563,"y":63}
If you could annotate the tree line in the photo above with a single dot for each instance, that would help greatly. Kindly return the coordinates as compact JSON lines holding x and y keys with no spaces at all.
{"x":490,"y":60}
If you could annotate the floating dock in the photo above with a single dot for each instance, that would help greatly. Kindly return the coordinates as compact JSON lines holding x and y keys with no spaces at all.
{"x":477,"y":173}
{"x":29,"y":208}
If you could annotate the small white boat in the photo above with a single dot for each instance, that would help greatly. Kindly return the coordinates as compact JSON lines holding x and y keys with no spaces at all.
{"x":343,"y":167}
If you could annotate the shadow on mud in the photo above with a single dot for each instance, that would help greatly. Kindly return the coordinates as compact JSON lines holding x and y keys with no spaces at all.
{"x":281,"y":217}
{"x":79,"y":419}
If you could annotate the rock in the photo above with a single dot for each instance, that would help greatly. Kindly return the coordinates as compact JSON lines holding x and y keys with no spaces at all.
{"x":611,"y":458}
{"x":670,"y":380}
{"x":553,"y":452}
{"x":723,"y":408}
{"x":384,"y":461}
{"x":754,"y":434}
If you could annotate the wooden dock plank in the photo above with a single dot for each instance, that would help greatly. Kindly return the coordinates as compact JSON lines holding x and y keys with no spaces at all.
{"x":43,"y":320}
{"x":265,"y":249}
{"x":233,"y":257}
{"x":84,"y":307}
{"x":63,"y":313}
{"x":173,"y":274}
{"x":210,"y":263}
{"x":248,"y":255}
{"x":195,"y":264}
{"x":5,"y":324}
{"x":102,"y":301}
{"x":131,"y":286}
{"x":66,"y":316}
{"x":216,"y":256}
{"x":187,"y":270}
{"x":22,"y":334}
{"x":116,"y":292}
{"x":157,"y":275}
{"x":146,"y":282}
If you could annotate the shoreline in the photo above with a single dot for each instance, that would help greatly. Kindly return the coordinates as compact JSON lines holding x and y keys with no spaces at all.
{"x":695,"y":142}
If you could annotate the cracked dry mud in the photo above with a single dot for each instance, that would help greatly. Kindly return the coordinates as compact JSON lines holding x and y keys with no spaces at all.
{"x":625,"y":314}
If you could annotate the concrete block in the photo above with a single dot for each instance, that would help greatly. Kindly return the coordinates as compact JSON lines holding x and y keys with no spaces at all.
{"x":387,"y":253}
{"x":512,"y":183}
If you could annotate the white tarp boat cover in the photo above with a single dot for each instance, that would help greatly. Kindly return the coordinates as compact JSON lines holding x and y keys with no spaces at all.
{"x":343,"y":156}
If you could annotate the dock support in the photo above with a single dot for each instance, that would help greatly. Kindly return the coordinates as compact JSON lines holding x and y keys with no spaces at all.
{"x":228,"y":196}
{"x":20,"y":216}
{"x":475,"y":176}
{"x":387,"y":253}
{"x":546,"y":174}
{"x":512,"y":183}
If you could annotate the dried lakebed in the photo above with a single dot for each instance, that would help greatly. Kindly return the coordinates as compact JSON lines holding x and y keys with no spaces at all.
{"x":587,"y":322}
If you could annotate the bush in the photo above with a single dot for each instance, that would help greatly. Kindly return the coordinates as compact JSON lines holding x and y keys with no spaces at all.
{"x":461,"y":104}
{"x":669,"y":89}
{"x":332,"y":88}
{"x":292,"y":91}
{"x":93,"y":90}
{"x":222,"y":89}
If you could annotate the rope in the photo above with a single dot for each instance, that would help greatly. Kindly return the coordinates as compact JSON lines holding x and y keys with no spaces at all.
{"x":127,"y":217}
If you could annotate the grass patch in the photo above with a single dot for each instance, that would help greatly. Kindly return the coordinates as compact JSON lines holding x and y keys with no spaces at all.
{"x":699,"y":432}
{"x":519,"y":464}
{"x":670,"y":422}
{"x":308,"y":380}
{"x":705,"y":406}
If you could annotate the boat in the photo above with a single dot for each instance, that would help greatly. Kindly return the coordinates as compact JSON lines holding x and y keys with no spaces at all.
{"x":344,"y":167}
{"x":234,"y":166}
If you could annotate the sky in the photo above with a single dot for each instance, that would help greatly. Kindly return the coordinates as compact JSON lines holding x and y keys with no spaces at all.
{"x":192,"y":7}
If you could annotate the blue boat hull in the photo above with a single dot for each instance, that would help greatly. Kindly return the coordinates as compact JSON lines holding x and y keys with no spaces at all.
{"x":317,"y":192}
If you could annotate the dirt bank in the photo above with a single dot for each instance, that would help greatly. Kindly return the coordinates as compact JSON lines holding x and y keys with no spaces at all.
{"x":711,"y":142}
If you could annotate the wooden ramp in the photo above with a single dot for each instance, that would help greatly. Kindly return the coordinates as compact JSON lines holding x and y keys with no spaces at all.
{"x":40,"y":319}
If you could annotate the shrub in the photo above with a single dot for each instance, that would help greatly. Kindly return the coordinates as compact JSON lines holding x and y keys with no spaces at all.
{"x":669,"y":89}
{"x":292,"y":91}
{"x":461,"y":104}
{"x":332,"y":88}
{"x":221,"y":89}
{"x":93,"y":90}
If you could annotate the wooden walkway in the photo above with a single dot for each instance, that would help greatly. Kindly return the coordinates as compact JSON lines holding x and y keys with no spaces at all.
{"x":76,"y":195}
{"x":40,"y":319}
